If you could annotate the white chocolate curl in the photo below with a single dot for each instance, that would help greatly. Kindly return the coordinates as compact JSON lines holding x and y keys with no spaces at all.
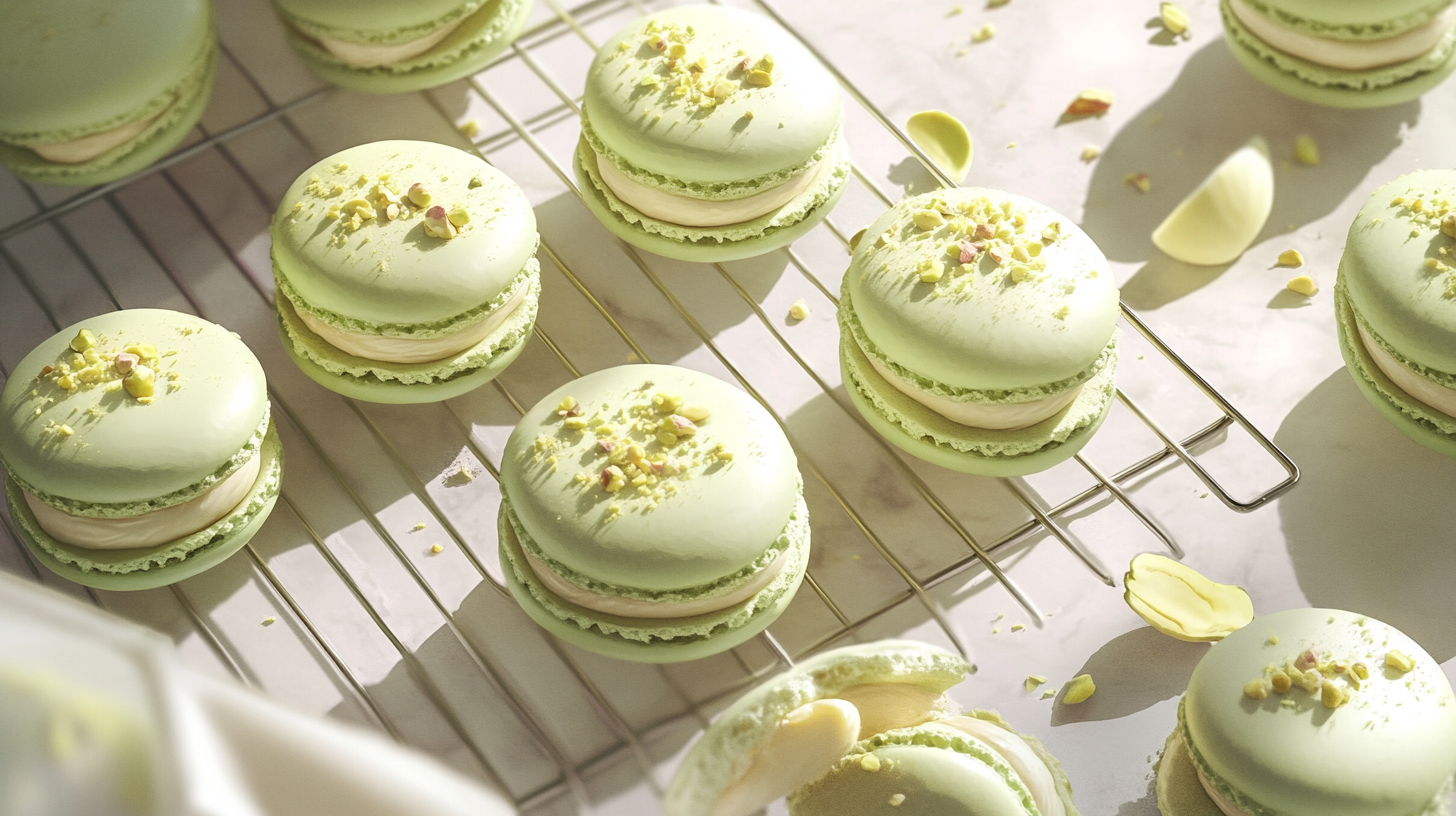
{"x":1222,"y":217}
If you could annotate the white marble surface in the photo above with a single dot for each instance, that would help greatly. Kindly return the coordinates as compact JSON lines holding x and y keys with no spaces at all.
{"x":1367,"y":529}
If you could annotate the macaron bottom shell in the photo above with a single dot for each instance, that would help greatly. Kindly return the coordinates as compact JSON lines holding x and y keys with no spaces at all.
{"x":954,"y":446}
{"x":1179,"y":791}
{"x":503,"y":346}
{"x":1412,"y":417}
{"x":1245,"y":47}
{"x":718,"y":637}
{"x":150,"y":145}
{"x":125,"y":570}
{"x":704,"y":251}
{"x":472,"y":46}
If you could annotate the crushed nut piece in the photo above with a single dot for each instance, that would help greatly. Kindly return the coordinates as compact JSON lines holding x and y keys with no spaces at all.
{"x":1091,"y":152}
{"x":1291,"y":257}
{"x":1174,"y":18}
{"x":1139,"y":182}
{"x":419,"y":195}
{"x":437,"y":223}
{"x":1448,"y":225}
{"x":141,"y":382}
{"x":459,"y":216}
{"x":83,"y":340}
{"x":1332,"y":695}
{"x":436,"y":549}
{"x":1257,"y":689}
{"x":1079,"y":689}
{"x":1280,"y":681}
{"x":1091,"y":102}
{"x":798,"y":310}
{"x":1034,"y":680}
{"x":1306,"y":150}
{"x":869,"y":762}
{"x":983,"y":33}
{"x":1399,"y":660}
{"x":896,"y":800}
{"x":1304,"y":285}
{"x":928,"y":219}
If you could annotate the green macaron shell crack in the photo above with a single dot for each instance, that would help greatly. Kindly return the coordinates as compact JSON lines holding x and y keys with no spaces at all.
{"x":1350,"y":19}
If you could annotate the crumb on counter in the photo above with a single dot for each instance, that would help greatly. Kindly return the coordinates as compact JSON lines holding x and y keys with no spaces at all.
{"x":1091,"y":152}
{"x":436,"y":549}
{"x":1174,"y":19}
{"x":1079,"y":689}
{"x":1090,"y":102}
{"x":983,"y":33}
{"x":269,"y":621}
{"x":1306,"y":150}
{"x":1139,"y":182}
{"x":1034,"y":680}
{"x":798,"y":310}
{"x":1304,"y":285}
{"x":1291,"y":257}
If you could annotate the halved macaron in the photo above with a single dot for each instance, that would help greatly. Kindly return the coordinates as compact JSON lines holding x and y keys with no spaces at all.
{"x":139,"y":448}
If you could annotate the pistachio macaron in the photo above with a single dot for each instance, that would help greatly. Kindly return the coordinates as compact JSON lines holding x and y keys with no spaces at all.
{"x":93,"y":92}
{"x":867,"y":729}
{"x":651,"y":513}
{"x":139,"y":448}
{"x":1344,"y":53}
{"x":379,"y":46}
{"x":978,"y":331}
{"x":406,"y":271}
{"x":1312,"y":712}
{"x":1395,"y":304}
{"x":708,"y":134}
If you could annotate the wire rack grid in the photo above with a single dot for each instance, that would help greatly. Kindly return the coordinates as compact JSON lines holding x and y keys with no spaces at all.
{"x":357,"y":471}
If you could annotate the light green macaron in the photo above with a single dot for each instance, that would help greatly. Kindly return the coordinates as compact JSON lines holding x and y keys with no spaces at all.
{"x":77,"y":70}
{"x":426,"y":42}
{"x":1376,"y":736}
{"x":1396,"y":299}
{"x":979,"y":300}
{"x":82,"y":438}
{"x":1345,"y":24}
{"x":652,"y":513}
{"x":866,"y":729}
{"x":373,"y":302}
{"x":704,"y":107}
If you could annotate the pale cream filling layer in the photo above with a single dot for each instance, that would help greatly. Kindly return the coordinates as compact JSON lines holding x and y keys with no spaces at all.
{"x":635,"y":608}
{"x":1347,"y":55}
{"x":1009,"y":417}
{"x":86,"y":148}
{"x":1434,"y":395}
{"x":371,"y":55}
{"x":1033,"y":772}
{"x":696,"y":212}
{"x":412,"y":350}
{"x":148,"y":529}
{"x":1225,"y":806}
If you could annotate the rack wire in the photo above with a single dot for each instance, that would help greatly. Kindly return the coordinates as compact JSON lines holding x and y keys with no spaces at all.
{"x":347,"y":449}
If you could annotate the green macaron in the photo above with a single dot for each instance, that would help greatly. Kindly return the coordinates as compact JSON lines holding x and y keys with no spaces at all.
{"x":101,"y":90}
{"x":1395,"y":303}
{"x":978,"y":331}
{"x":1313,"y":712}
{"x":709,"y":134}
{"x":651,"y":513}
{"x":867,"y":729}
{"x":406,"y":271}
{"x":1344,"y":53}
{"x":129,"y":425}
{"x":377,"y":46}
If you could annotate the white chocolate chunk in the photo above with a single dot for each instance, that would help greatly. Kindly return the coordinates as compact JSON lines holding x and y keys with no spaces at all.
{"x":1223,"y":216}
{"x":804,"y":746}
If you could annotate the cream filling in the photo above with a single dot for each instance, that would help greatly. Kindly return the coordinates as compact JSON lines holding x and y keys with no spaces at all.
{"x":149,"y":529}
{"x":371,"y":55}
{"x":412,"y":350}
{"x":86,"y":148}
{"x":1008,"y":417}
{"x":697,"y":212}
{"x":1347,"y":55}
{"x":1434,"y":395}
{"x":635,"y":608}
{"x":1033,"y":772}
{"x":1227,"y":807}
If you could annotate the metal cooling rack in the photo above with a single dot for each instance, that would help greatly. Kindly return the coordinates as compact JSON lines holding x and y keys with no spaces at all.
{"x":199,"y":210}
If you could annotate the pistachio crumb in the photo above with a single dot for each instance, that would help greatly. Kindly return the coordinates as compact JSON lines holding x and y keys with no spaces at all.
{"x":436,"y":549}
{"x":1091,"y":152}
{"x":799,"y":310}
{"x":1174,"y":18}
{"x":1291,"y":257}
{"x":1304,"y":285}
{"x":1079,"y":689}
{"x":1399,"y":660}
{"x":869,"y":762}
{"x":1306,"y":150}
{"x":1034,"y":680}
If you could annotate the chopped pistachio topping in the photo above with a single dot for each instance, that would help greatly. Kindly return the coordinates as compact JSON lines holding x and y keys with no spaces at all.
{"x":1257,"y":689}
{"x":1306,"y":150}
{"x":83,"y":340}
{"x":1399,"y":661}
{"x":798,"y":310}
{"x":1091,"y":152}
{"x":1291,"y":257}
{"x":1139,"y":182}
{"x":869,"y":762}
{"x":1091,"y":102}
{"x":419,"y":195}
{"x":1034,"y":680}
{"x":1174,"y":18}
{"x":1304,"y":285}
{"x":1079,"y":689}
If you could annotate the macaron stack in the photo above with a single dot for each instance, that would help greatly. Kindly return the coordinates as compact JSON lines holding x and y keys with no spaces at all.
{"x":1312,"y":712}
{"x":139,"y":448}
{"x":978,"y":331}
{"x":651,"y":513}
{"x":406,"y":271}
{"x":93,"y":92}
{"x":709,"y":134}
{"x":867,"y":730}
{"x":378,"y":46}
{"x":1345,"y":53}
{"x":1395,"y":304}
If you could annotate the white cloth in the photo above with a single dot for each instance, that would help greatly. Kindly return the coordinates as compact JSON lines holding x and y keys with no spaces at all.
{"x":99,"y":717}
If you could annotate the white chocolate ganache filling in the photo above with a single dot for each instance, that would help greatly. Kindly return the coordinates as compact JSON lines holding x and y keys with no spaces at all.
{"x":1347,"y":55}
{"x":86,"y":148}
{"x":413,"y":350}
{"x":697,"y":212}
{"x":637,"y":608}
{"x":1435,"y":395}
{"x":372,"y":55}
{"x":149,"y":529}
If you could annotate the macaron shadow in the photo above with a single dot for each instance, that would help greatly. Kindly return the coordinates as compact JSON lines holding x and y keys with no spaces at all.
{"x":1213,"y":108}
{"x":1369,"y":526}
{"x":1133,"y":671}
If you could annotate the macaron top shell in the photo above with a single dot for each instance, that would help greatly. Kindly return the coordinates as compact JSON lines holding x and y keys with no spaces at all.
{"x":1041,"y":316}
{"x":96,"y":443}
{"x":724,"y":495}
{"x":374,"y":21}
{"x":1386,"y":751}
{"x":75,"y":67}
{"x":350,"y":264}
{"x":1400,"y":268}
{"x":1350,"y":19}
{"x":635,"y":111}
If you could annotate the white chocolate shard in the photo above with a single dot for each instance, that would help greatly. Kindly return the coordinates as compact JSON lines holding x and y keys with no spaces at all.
{"x":886,"y":706}
{"x":806,"y":744}
{"x":1223,"y":216}
{"x":945,"y":140}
